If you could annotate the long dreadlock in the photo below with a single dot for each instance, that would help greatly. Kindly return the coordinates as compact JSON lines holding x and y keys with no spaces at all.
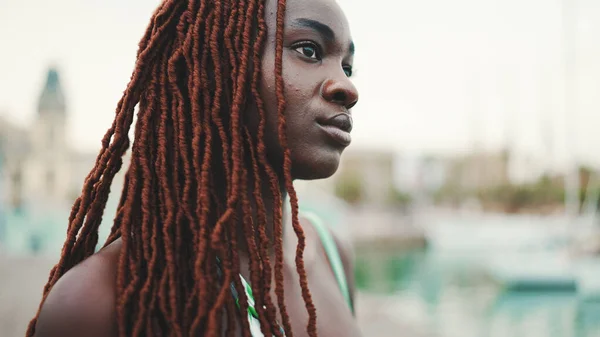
{"x":198,"y":69}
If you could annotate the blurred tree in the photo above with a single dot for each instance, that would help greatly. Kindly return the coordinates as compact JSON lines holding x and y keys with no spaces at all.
{"x":398,"y":198}
{"x":349,"y":188}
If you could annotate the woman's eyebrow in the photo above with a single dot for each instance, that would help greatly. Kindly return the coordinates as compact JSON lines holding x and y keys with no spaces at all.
{"x":320,"y":27}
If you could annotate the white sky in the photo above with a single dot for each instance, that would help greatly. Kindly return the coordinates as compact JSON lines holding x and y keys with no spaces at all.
{"x":434,"y":75}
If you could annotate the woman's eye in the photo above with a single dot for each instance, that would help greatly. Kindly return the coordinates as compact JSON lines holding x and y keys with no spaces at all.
{"x":348,"y":71}
{"x":309,"y":50}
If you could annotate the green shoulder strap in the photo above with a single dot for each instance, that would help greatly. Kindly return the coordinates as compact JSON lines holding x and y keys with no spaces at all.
{"x":332,"y":252}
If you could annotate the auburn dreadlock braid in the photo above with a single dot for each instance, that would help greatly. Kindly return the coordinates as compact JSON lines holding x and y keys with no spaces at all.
{"x":192,"y":165}
{"x":312,"y":322}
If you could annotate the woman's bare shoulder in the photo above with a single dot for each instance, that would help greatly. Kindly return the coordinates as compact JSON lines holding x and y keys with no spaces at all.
{"x":82,"y":302}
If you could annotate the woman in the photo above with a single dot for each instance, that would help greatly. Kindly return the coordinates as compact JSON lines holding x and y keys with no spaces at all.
{"x":236,"y":100}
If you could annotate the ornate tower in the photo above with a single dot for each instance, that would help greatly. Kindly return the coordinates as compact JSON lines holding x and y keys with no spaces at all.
{"x":49,"y":162}
{"x":51,"y":118}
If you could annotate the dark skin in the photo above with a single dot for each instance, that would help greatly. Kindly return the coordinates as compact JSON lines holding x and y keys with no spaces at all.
{"x":317,"y":61}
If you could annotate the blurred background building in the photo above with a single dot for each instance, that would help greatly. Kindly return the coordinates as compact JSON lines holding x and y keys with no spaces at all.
{"x":39,"y":165}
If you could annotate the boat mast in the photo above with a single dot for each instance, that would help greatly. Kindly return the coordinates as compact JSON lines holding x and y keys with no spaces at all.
{"x":570,"y":109}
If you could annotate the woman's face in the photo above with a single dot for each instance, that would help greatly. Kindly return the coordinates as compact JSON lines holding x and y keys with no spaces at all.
{"x":317,"y":65}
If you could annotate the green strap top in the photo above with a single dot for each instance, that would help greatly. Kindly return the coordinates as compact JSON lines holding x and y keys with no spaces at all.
{"x":334,"y":260}
{"x":333,"y":254}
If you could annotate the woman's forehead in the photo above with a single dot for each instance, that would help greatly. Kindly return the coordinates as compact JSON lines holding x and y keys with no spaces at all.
{"x":326,"y":12}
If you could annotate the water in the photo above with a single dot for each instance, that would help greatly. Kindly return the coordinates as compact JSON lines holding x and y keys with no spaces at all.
{"x":435,"y":294}
{"x":41,"y":228}
{"x":440,"y":296}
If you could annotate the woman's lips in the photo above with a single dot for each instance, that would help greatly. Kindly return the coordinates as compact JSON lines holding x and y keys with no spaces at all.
{"x":338,"y":128}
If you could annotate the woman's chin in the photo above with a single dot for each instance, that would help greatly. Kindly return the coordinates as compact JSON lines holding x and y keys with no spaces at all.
{"x":317,"y":165}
